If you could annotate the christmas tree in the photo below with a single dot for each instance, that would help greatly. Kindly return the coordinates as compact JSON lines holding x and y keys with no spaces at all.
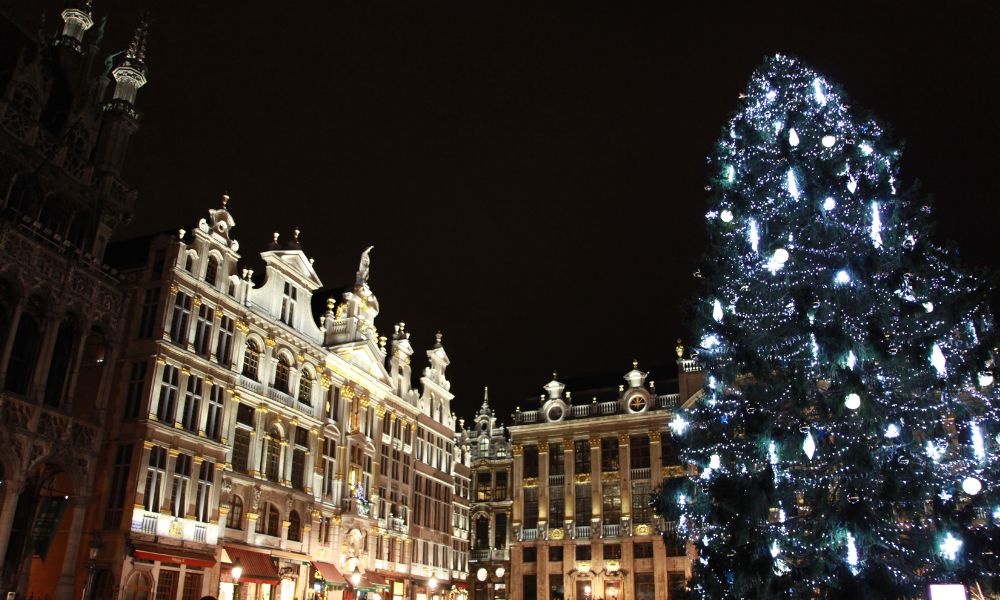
{"x":846,"y":440}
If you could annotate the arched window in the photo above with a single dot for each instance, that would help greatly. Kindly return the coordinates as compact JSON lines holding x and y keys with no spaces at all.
{"x":26,"y":196}
{"x":294,"y":527}
{"x":305,"y":387}
{"x":189,"y":263}
{"x":139,"y":586}
{"x":251,"y":359}
{"x":62,"y":355}
{"x":482,"y":539}
{"x":23,"y":355}
{"x":282,"y":371}
{"x":271,"y":520}
{"x":235,"y":518}
{"x":272,"y":459}
{"x":212,"y":270}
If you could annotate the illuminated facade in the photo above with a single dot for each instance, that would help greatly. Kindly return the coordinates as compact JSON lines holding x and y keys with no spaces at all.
{"x":582,"y":524}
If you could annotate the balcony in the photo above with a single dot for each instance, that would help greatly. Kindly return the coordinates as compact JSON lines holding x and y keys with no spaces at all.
{"x":355,"y":507}
{"x":610,"y":530}
{"x":68,"y":431}
{"x":187,"y":530}
{"x":529,"y":535}
{"x":557,"y":479}
{"x":641,"y":473}
{"x":581,"y":532}
{"x":668,"y":401}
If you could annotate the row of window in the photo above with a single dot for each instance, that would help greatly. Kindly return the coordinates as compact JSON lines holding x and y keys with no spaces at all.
{"x":611,"y":504}
{"x":269,"y":520}
{"x":174,"y":493}
{"x":639,"y":455}
{"x":582,"y":552}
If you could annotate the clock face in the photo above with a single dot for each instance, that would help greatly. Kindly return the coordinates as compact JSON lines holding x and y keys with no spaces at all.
{"x":637,"y":403}
{"x":555,"y":413}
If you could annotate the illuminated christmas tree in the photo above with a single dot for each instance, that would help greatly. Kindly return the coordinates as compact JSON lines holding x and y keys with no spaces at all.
{"x":847,"y":439}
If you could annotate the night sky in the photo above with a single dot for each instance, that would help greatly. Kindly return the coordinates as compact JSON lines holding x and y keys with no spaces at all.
{"x":532,"y":179}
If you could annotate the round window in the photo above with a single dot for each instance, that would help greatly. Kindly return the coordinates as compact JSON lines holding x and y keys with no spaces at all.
{"x":637,"y":403}
{"x":555,"y":413}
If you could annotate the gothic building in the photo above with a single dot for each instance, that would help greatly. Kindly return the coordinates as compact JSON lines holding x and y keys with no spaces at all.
{"x":581,"y":522}
{"x":65,"y":123}
{"x":492,"y":498}
{"x":250,"y":433}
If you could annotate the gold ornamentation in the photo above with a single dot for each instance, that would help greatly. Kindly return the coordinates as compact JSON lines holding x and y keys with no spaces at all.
{"x":595,"y":441}
{"x":609,"y":475}
{"x":516,"y":449}
{"x":325,"y":381}
{"x":300,"y":358}
{"x":243,"y":326}
{"x":672,"y":471}
{"x":335,"y":519}
{"x":348,"y":392}
{"x":654,"y":436}
{"x":392,"y":417}
{"x":582,"y":478}
{"x":623,"y":439}
{"x":365,"y":401}
{"x":185,"y":370}
{"x":567,"y":443}
{"x":270,"y":342}
{"x":380,"y":411}
{"x":529,"y":482}
{"x":252,"y":516}
{"x":643,"y":529}
{"x":557,"y":534}
{"x":543,"y":447}
{"x":174,"y":288}
{"x":197,"y":301}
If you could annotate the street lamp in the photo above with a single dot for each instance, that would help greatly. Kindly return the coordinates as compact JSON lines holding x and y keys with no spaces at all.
{"x":586,"y":591}
{"x":356,"y":576}
{"x":236,"y":571}
{"x":96,"y":544}
{"x":433,"y":583}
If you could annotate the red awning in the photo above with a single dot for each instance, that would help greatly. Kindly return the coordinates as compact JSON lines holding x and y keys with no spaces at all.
{"x":175,"y":556}
{"x":257,"y":566}
{"x":375,"y":578}
{"x":329,"y":573}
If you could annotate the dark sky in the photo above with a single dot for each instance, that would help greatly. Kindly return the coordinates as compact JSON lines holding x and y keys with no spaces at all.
{"x":532,"y":178}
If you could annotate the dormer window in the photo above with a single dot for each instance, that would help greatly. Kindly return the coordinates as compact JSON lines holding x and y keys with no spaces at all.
{"x":212,"y":271}
{"x":484,"y":447}
{"x":288,"y":301}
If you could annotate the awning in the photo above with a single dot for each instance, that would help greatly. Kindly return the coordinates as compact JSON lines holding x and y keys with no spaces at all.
{"x":329,"y":573}
{"x":376,"y":578}
{"x":175,"y":556}
{"x":257,"y":566}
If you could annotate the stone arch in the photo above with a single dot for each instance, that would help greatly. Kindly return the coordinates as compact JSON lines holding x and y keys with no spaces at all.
{"x":27,"y":345}
{"x":94,"y":360}
{"x":25,"y":196}
{"x":139,"y":586}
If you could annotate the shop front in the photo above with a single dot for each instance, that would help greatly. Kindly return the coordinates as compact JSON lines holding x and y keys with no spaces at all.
{"x":327,"y":582}
{"x":248,"y":575}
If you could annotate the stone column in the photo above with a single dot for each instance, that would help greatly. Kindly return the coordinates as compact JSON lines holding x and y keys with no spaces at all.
{"x":189,"y":510}
{"x":40,"y":378}
{"x":655,"y":459}
{"x":69,"y":392}
{"x":543,"y":490}
{"x":206,"y":392}
{"x":596,"y":488}
{"x":182,"y":381}
{"x":156,"y":379}
{"x":569,"y":490}
{"x":229,"y":411}
{"x":308,"y":477}
{"x":140,"y":490}
{"x":67,"y":579}
{"x":625,"y":479}
{"x":286,"y":458}
{"x":216,"y":328}
{"x":13,"y":493}
{"x":257,"y":442}
{"x":166,"y":506}
{"x":517,"y":507}
{"x":8,"y":345}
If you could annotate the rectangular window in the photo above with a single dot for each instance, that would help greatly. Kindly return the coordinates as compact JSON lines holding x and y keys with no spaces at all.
{"x":147,"y":316}
{"x":192,"y":404}
{"x":531,"y":461}
{"x":119,"y":484}
{"x":224,"y":347}
{"x":179,"y":486}
{"x":612,"y":551}
{"x":555,"y":554}
{"x":202,"y":501}
{"x":203,"y":330}
{"x":556,"y":589}
{"x":583,"y":552}
{"x":167,"y":408}
{"x":483,"y":483}
{"x":166,"y":584}
{"x":642,"y":550}
{"x":180,"y":318}
{"x":644,"y":587}
{"x":581,"y":456}
{"x":500,"y":486}
{"x":530,"y":508}
{"x":557,"y":462}
{"x":156,"y":472}
{"x":611,"y":504}
{"x":134,"y":391}
{"x":557,"y":505}
{"x":639,"y":452}
{"x":288,"y":301}
{"x":213,"y":418}
{"x":676,"y":582}
{"x":500,"y":530}
{"x":192,"y":585}
{"x":244,"y":415}
{"x":329,"y":466}
{"x":642,"y":512}
{"x":583,"y":505}
{"x":530,"y":587}
{"x":530,"y":554}
{"x":299,"y":468}
{"x":668,"y":452}
{"x":241,"y":451}
{"x":609,"y":454}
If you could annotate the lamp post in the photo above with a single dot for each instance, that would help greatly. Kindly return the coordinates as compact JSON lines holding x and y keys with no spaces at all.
{"x":356,"y":576}
{"x":96,"y":544}
{"x":236,"y":571}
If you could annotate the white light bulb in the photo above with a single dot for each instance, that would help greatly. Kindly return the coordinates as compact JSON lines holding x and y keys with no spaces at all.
{"x":852,"y":553}
{"x":771,"y":95}
{"x":709,"y":341}
{"x":828,"y":141}
{"x":892,"y":431}
{"x":818,"y":91}
{"x":714,"y":462}
{"x":780,"y":256}
{"x":730,"y":173}
{"x":717,"y":311}
{"x":985,"y":379}
{"x":852,"y":185}
{"x":934,"y":452}
{"x":842,"y":278}
{"x":793,"y":138}
{"x":829,"y":204}
{"x":853,"y":401}
{"x":793,"y":186}
{"x":938,"y":361}
{"x":726,"y":216}
{"x":876,"y":230}
{"x":972,"y":486}
{"x":866,"y":148}
{"x":929,"y":306}
{"x":978,"y":447}
{"x":772,"y":453}
{"x":753,"y":236}
{"x":678,"y":425}
{"x":775,"y":549}
{"x":950,"y":546}
{"x":851,"y":360}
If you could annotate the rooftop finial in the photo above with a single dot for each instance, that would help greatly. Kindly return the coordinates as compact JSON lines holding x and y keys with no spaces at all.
{"x":555,"y":374}
{"x":225,"y":200}
{"x":276,"y":236}
{"x":635,"y":363}
{"x":364,"y":266}
{"x":137,"y":47}
{"x":437,"y":337}
{"x":680,"y":348}
{"x":295,"y":234}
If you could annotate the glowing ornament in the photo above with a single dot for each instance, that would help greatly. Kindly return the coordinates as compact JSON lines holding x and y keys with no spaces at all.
{"x":793,"y":138}
{"x":777,"y":261}
{"x":681,"y":499}
{"x":985,"y":379}
{"x":809,"y":445}
{"x":815,"y":345}
{"x":950,"y":546}
{"x":876,"y":231}
{"x":866,"y":149}
{"x":714,"y":462}
{"x":972,"y":486}
{"x":829,"y":204}
{"x":678,"y":425}
{"x":851,"y":360}
{"x":929,"y":306}
{"x":892,"y":431}
{"x":753,"y":235}
{"x":852,"y":185}
{"x":775,"y":549}
{"x":771,"y":94}
{"x":938,"y":360}
{"x":828,"y":141}
{"x":818,"y":91}
{"x":978,"y":447}
{"x":730,"y":173}
{"x":717,"y":311}
{"x":852,"y":554}
{"x":934,"y":451}
{"x":726,"y":216}
{"x":842,"y":278}
{"x":853,"y":401}
{"x":793,"y":186}
{"x":709,"y":341}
